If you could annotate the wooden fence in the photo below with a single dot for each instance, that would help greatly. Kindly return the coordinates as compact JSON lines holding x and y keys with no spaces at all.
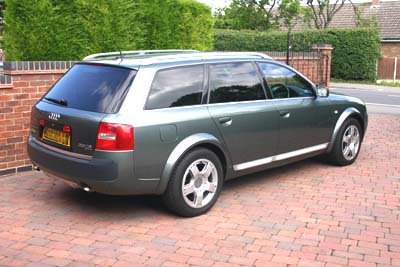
{"x":389,"y":68}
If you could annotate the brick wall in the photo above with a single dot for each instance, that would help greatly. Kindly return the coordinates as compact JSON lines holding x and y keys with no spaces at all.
{"x":316,"y":64}
{"x":23,"y":83}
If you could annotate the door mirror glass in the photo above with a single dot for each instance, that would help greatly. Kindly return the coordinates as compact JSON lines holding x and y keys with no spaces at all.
{"x":322,"y":91}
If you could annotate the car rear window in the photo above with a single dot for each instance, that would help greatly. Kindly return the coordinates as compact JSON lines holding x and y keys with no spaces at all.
{"x":177,"y":87}
{"x":96,"y":88}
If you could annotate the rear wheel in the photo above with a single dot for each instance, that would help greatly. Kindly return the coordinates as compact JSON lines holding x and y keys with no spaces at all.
{"x":195,"y":183}
{"x":347,"y":144}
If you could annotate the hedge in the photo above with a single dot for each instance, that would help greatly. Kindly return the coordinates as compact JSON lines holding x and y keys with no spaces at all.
{"x":176,"y":24}
{"x":355,"y":52}
{"x":72,"y":29}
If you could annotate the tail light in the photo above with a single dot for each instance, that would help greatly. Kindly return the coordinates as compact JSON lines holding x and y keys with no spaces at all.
{"x":67,"y":129}
{"x":114,"y":137}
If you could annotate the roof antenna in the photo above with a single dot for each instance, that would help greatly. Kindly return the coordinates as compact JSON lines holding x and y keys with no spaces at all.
{"x":121,"y":55}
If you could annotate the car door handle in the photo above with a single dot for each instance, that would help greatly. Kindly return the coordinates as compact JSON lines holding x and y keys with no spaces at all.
{"x":225,"y":121}
{"x":284,"y":113}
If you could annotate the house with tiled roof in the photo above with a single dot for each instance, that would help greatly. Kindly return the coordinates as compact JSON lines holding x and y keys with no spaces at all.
{"x":387,"y":16}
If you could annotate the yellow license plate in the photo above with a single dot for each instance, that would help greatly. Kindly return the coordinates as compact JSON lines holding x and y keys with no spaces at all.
{"x":56,"y":136}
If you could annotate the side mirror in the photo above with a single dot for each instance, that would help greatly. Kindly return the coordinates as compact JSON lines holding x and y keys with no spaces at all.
{"x":322,"y":91}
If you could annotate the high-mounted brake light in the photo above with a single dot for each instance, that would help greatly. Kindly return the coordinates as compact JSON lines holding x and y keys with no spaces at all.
{"x":114,"y":137}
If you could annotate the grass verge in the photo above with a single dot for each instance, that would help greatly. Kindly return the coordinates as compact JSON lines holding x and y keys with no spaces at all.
{"x":382,"y":83}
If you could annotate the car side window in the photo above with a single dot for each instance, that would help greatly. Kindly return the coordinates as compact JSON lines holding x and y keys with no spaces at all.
{"x":177,"y":87}
{"x":235,"y":82}
{"x":285,"y":83}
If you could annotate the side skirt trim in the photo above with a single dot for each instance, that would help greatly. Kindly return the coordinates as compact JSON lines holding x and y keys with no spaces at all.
{"x":268,"y":160}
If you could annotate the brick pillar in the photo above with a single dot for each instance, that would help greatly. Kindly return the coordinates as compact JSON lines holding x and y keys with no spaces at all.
{"x":325,"y":51}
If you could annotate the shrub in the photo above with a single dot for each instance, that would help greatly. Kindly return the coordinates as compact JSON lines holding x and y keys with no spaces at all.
{"x":354,"y":56}
{"x":72,"y":29}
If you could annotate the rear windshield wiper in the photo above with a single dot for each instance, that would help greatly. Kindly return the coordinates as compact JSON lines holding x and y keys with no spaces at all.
{"x":61,"y":102}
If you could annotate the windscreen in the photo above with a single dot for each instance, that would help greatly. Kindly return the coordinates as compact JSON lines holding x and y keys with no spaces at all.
{"x":96,"y":88}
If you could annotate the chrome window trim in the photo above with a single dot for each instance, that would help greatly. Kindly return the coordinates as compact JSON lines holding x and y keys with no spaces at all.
{"x":237,"y":102}
{"x":225,"y":61}
{"x":268,"y":160}
{"x":174,"y":108}
{"x":58,"y":150}
{"x":262,"y":100}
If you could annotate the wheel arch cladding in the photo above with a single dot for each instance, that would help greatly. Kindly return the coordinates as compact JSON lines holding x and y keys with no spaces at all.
{"x":202,"y":140}
{"x":217,"y":151}
{"x":360,"y":121}
{"x":350,"y":112}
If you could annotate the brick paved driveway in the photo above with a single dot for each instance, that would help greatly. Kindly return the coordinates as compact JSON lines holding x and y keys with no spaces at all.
{"x":305,"y":214}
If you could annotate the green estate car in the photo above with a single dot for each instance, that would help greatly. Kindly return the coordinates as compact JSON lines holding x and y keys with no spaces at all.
{"x":179,"y":123}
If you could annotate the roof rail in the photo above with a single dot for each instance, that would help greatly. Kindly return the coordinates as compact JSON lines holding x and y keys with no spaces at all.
{"x":233,"y":53}
{"x":136,"y":53}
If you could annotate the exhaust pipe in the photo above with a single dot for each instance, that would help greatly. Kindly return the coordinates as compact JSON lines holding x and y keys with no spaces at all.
{"x":86,"y":188}
{"x":35,"y":167}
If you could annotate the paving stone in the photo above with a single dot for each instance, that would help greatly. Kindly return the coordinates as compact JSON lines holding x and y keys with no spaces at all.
{"x":306,"y":214}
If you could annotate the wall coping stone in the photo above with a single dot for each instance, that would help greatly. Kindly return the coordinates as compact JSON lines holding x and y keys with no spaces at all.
{"x":12,"y":68}
{"x":37,"y":65}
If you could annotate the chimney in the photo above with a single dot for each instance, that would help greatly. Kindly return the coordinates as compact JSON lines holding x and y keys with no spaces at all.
{"x":375,"y":3}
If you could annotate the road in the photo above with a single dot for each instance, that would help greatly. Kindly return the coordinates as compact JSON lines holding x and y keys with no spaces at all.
{"x":379,"y":99}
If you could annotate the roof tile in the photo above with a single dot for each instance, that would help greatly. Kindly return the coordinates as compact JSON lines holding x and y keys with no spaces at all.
{"x":387,"y":14}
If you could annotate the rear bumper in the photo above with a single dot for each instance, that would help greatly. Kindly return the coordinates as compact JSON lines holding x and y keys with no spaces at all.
{"x":71,"y":167}
{"x":105,"y":172}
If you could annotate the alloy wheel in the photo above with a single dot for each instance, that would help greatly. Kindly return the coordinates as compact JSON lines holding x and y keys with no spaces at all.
{"x":350,"y":142}
{"x":200,"y":183}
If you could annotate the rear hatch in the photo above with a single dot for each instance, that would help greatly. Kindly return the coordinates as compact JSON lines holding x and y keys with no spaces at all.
{"x":68,"y":116}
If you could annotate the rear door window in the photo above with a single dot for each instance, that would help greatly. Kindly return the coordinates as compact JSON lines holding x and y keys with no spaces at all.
{"x":235,"y":82}
{"x":177,"y":87}
{"x":96,"y":88}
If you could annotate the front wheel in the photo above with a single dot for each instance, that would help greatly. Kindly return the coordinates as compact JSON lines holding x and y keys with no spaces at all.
{"x":347,"y":144}
{"x":195,"y":183}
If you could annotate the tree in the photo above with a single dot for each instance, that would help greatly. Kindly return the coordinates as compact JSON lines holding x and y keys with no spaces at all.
{"x":289,"y":12}
{"x":257,"y":14}
{"x":323,"y":11}
{"x":2,"y":7}
{"x":267,"y":6}
{"x":241,"y":14}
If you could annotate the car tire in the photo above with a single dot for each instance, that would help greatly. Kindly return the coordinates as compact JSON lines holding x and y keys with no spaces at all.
{"x":347,"y":143}
{"x":195,"y":184}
